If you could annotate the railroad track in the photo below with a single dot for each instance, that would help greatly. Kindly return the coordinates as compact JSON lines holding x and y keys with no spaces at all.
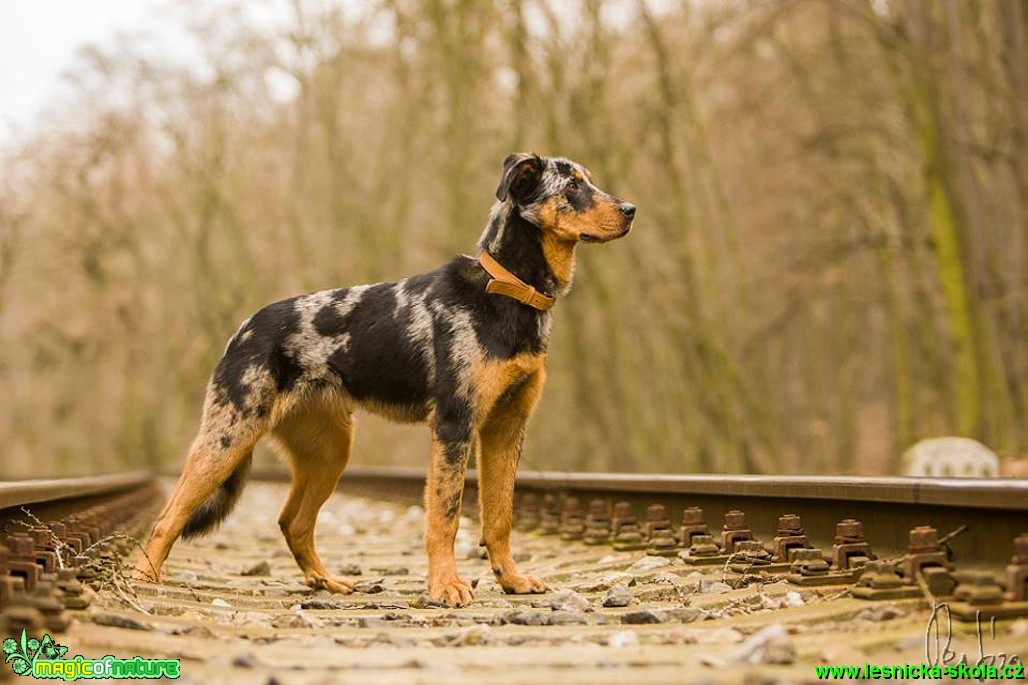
{"x":667,"y":578}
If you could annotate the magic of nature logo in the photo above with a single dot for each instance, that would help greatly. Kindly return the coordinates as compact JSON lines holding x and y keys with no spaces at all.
{"x":46,"y":659}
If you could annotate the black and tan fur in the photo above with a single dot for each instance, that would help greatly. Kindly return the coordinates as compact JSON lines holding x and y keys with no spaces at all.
{"x":434,"y":347}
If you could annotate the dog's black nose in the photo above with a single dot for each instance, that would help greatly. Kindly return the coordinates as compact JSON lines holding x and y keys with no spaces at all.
{"x":628,"y":209}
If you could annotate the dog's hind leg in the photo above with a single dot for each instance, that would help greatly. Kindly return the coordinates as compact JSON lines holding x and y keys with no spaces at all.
{"x":318,"y":440}
{"x":210,"y":484}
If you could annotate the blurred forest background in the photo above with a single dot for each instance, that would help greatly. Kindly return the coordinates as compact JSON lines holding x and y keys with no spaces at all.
{"x":830,"y":260}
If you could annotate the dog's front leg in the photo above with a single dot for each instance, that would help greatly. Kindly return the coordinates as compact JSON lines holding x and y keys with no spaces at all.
{"x":501,"y":438}
{"x":451,"y":447}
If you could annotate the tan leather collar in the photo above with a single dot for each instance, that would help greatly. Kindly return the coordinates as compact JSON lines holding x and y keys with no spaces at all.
{"x":507,"y":284}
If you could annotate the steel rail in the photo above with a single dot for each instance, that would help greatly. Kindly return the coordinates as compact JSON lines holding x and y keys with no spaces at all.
{"x":40,"y":491}
{"x":956,"y":492}
{"x":995,"y":511}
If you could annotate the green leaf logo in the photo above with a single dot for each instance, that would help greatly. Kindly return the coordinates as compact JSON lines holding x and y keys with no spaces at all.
{"x":22,"y":655}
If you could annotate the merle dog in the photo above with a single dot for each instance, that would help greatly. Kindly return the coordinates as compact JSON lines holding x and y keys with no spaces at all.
{"x":462,"y":348}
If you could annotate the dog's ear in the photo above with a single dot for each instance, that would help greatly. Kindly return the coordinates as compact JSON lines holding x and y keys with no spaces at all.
{"x":522,"y":172}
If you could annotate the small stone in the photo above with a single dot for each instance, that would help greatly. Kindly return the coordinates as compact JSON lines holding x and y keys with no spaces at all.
{"x":472,"y":635}
{"x":496,"y":604}
{"x":188,"y":576}
{"x":219,"y":602}
{"x":391,"y":570}
{"x":350,"y":570}
{"x":298,"y":619}
{"x":119,"y":621}
{"x":648,"y":563}
{"x":523,"y":617}
{"x":369,"y":587}
{"x":881,"y":613}
{"x":692,"y":581}
{"x":685,"y":615}
{"x":386,"y":604}
{"x":202,"y":632}
{"x":569,"y":600}
{"x":709,"y":586}
{"x":606,"y":582}
{"x":322,"y":604}
{"x":371,"y":622}
{"x":618,"y":596}
{"x":245,"y":661}
{"x":619,"y":578}
{"x":770,"y":645}
{"x":793,"y":599}
{"x":426,"y":602}
{"x":261,"y":569}
{"x":251,"y":618}
{"x":789,"y":599}
{"x":623,"y":638}
{"x":642,"y":616}
{"x":568,"y":618}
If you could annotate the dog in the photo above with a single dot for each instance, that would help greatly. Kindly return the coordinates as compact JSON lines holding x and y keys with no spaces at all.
{"x":462,"y":348}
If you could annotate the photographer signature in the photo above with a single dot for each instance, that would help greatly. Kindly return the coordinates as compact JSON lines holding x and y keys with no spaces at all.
{"x":939,"y":638}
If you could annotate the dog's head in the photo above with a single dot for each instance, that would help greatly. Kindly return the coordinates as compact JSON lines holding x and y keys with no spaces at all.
{"x":559,"y":196}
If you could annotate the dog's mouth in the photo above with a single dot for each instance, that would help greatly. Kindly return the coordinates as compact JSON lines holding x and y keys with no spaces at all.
{"x":593,"y":238}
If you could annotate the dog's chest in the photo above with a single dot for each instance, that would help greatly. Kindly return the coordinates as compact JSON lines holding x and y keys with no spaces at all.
{"x":494,"y":378}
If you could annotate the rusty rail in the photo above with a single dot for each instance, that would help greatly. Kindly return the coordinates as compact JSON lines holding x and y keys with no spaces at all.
{"x":994,"y":511}
{"x":56,"y":532}
{"x":19,"y":493}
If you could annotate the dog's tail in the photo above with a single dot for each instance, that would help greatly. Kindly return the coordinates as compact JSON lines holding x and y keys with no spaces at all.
{"x":219,"y":505}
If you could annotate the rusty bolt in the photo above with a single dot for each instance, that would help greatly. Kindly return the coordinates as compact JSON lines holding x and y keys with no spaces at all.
{"x":849,"y":530}
{"x":21,"y":545}
{"x":598,"y":509}
{"x":572,"y":508}
{"x":692,"y":516}
{"x":924,"y":538}
{"x":657,"y":521}
{"x":623,"y":515}
{"x":978,"y":588}
{"x":1020,"y":549}
{"x":790,"y":524}
{"x":735,"y":520}
{"x":704,"y":546}
{"x":809,"y":561}
{"x":880,"y":575}
{"x":74,"y":593}
{"x":656,"y":513}
{"x":751,"y":549}
{"x":597,"y":523}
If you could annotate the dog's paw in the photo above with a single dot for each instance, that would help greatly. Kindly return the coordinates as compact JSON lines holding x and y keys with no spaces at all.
{"x":522,"y":584}
{"x":453,"y":591}
{"x":145,"y":574}
{"x":333,"y":584}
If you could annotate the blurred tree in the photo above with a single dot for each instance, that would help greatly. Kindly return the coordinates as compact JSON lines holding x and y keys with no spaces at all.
{"x":830,"y":261}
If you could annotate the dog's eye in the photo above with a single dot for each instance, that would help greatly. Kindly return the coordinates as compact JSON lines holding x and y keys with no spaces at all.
{"x":573,"y":185}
